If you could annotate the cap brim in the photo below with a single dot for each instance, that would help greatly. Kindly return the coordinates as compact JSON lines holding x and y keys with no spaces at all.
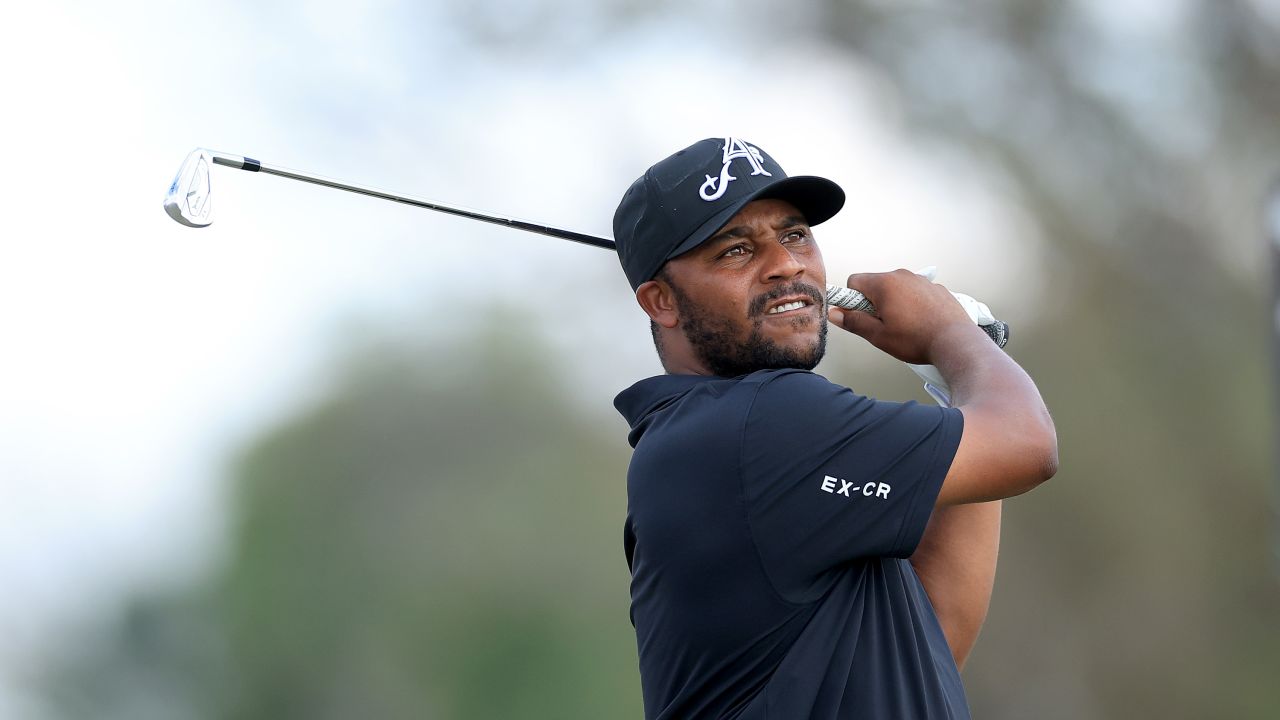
{"x":818,"y":199}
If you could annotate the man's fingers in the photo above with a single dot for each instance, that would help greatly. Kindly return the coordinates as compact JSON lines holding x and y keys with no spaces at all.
{"x":868,"y":284}
{"x":910,"y":312}
{"x":859,"y":323}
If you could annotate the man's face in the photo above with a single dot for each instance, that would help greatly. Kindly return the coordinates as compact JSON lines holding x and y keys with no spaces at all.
{"x":751,"y":297}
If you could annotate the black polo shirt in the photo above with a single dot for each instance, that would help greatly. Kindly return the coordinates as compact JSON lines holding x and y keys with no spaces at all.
{"x":769,"y":518}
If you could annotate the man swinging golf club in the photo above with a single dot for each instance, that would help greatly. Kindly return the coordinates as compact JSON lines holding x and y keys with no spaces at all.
{"x":797,"y":549}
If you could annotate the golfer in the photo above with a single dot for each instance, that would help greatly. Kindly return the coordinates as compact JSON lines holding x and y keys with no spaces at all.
{"x":798,"y":549}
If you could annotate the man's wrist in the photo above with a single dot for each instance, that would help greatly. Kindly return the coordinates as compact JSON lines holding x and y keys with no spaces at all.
{"x":957,"y":342}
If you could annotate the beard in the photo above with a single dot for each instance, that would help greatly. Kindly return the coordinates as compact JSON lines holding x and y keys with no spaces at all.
{"x":718,"y":343}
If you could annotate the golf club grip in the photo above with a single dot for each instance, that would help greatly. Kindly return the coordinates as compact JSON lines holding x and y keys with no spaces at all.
{"x":851,"y":299}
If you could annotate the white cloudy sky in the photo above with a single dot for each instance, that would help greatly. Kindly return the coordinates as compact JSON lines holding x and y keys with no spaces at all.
{"x":136,"y":354}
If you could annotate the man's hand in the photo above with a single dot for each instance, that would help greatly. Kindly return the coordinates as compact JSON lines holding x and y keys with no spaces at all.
{"x":1009,"y":444}
{"x":912,"y":315}
{"x":937,"y":388}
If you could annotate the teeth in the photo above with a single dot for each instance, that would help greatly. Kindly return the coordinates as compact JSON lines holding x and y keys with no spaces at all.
{"x":788,"y":306}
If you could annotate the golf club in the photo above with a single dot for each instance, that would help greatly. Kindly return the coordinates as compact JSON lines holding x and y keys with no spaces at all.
{"x":189,"y":202}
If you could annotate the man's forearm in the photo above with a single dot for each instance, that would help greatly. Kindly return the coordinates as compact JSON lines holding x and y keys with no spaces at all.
{"x":1009,"y":443}
{"x":956,"y":562}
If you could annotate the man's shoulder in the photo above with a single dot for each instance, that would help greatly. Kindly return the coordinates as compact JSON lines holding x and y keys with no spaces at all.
{"x":685,"y":399}
{"x":645,"y":394}
{"x":788,"y":391}
{"x":789,"y":379}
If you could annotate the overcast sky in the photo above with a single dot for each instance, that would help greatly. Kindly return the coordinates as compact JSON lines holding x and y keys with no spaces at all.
{"x":137,"y":354}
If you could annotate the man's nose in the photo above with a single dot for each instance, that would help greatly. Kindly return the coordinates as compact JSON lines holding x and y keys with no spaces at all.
{"x":782,"y":264}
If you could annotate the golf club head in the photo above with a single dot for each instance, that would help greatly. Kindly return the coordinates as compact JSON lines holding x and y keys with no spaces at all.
{"x":188,"y":198}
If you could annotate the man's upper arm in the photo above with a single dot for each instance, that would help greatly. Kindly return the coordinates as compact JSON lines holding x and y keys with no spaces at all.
{"x":830,"y":476}
{"x":986,"y":465}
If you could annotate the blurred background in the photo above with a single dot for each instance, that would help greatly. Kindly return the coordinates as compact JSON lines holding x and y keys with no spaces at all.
{"x":335,"y":457}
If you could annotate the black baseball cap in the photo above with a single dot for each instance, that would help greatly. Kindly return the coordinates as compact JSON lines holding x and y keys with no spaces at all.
{"x":682,"y":201}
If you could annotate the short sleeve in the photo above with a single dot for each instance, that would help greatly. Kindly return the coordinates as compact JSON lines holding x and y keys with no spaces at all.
{"x":830,"y":476}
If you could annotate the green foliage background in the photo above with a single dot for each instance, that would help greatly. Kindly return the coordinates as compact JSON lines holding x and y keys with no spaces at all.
{"x":441,"y":537}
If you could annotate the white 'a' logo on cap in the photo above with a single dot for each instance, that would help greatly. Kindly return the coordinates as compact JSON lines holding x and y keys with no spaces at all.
{"x":734,"y":148}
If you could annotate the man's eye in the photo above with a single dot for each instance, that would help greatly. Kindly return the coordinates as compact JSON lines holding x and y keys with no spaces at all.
{"x":735,"y":251}
{"x":797,"y":234}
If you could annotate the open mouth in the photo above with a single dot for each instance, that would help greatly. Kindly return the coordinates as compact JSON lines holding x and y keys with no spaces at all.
{"x":795,"y":298}
{"x":787,"y":306}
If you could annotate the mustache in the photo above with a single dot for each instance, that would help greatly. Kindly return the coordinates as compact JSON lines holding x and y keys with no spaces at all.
{"x":758,"y":304}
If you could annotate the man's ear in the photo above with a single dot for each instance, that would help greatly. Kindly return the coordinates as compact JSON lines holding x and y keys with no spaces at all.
{"x":658,"y":301}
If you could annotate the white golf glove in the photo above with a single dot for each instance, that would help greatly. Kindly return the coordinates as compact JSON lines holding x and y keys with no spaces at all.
{"x":979,"y":313}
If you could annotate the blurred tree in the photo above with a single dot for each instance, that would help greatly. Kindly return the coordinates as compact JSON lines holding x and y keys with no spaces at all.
{"x":440,"y":537}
